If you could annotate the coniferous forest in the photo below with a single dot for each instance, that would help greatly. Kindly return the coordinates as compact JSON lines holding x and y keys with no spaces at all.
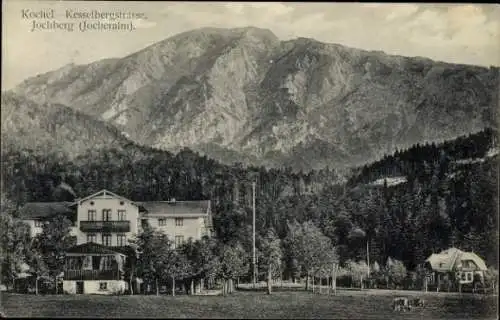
{"x":406,"y":206}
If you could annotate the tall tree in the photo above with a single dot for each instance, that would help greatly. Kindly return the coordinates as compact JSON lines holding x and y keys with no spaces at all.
{"x":271,"y":255}
{"x":52,"y":243}
{"x":233,"y":264}
{"x":14,"y":242}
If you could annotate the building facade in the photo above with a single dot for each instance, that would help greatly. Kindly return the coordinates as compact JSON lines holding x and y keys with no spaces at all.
{"x":111,"y":220}
{"x":104,"y":222}
{"x":454,"y":266}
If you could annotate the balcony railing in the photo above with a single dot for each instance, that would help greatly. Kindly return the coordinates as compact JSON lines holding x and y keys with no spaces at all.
{"x":105,"y":226}
{"x":92,"y":275}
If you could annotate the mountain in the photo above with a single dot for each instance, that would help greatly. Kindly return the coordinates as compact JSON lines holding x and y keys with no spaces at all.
{"x":244,"y":95}
{"x":58,"y":128}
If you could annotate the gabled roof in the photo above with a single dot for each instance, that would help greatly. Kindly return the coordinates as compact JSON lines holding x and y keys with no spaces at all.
{"x":174,"y":208}
{"x":91,"y":248}
{"x":474,"y":257}
{"x":104,"y":192}
{"x":43,"y":210}
{"x":448,"y":260}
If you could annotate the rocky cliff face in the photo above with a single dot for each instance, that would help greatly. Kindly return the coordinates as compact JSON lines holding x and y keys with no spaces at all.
{"x":242,"y":94}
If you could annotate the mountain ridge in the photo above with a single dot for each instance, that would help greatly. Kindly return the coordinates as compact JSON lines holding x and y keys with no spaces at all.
{"x":273,"y":102}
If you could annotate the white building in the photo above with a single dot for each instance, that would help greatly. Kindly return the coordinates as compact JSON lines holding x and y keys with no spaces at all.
{"x":104,"y":222}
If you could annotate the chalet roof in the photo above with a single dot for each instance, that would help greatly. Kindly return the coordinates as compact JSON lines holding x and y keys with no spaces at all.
{"x":41,"y":210}
{"x":104,"y":192}
{"x":177,"y":207}
{"x":450,"y":259}
{"x":92,"y":248}
{"x":474,"y":257}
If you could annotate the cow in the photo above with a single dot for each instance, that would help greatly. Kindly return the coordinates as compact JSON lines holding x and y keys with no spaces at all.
{"x":418,"y":302}
{"x":401,"y":304}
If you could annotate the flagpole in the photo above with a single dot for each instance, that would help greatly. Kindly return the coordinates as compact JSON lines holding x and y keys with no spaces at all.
{"x":253,"y":235}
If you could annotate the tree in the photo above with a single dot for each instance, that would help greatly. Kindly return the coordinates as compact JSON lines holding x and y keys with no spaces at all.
{"x":271,"y":255}
{"x":395,"y":271}
{"x":37,"y":265}
{"x":233,"y":263}
{"x":155,"y":256}
{"x":357,"y":271}
{"x":14,"y":242}
{"x":201,"y":254}
{"x":311,"y":248}
{"x":52,"y":243}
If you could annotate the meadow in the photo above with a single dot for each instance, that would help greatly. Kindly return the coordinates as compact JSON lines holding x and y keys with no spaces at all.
{"x":285,"y":304}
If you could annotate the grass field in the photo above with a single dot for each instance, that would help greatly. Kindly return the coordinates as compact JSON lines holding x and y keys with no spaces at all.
{"x":284,"y":304}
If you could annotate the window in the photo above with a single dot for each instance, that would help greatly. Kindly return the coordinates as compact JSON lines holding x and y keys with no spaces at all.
{"x":162,"y":222}
{"x":106,"y":239}
{"x":122,"y":203}
{"x":91,"y":237}
{"x":87,"y":263}
{"x":106,"y":214}
{"x":91,"y":215}
{"x":122,"y":215}
{"x":179,"y":222}
{"x":38,"y":223}
{"x":469,"y":276}
{"x":179,"y":240}
{"x":120,"y":240}
{"x":91,"y":203}
{"x":105,"y":263}
{"x":103,"y":286}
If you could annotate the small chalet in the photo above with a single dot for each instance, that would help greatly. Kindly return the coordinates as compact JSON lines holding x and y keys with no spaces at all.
{"x":455,"y":264}
{"x":94,"y":268}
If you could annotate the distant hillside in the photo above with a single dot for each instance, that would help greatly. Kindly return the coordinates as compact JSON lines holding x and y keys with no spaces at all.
{"x":244,"y":94}
{"x":420,"y":160}
{"x":53,"y":128}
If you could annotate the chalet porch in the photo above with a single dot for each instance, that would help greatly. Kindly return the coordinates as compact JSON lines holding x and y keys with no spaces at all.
{"x":94,"y":268}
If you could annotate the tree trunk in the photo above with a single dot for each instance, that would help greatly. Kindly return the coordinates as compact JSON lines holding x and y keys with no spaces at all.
{"x":192,"y":287}
{"x":238,"y":283}
{"x":269,"y":279}
{"x":313,"y":280}
{"x":334,"y":279}
{"x":202,"y":282}
{"x":173,"y":286}
{"x":36,"y":286}
{"x":157,"y":287}
{"x":132,"y":281}
{"x":307,"y":281}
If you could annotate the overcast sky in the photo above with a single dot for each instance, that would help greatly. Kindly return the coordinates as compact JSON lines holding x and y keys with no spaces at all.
{"x":462,"y":33}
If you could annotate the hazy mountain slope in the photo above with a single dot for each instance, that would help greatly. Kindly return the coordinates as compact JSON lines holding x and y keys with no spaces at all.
{"x":242,"y":93}
{"x":52,"y":127}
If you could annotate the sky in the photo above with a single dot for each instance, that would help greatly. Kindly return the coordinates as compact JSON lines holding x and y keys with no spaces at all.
{"x":457,"y":33}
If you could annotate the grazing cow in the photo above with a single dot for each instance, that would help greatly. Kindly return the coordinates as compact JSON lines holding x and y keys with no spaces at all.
{"x":401,"y":304}
{"x":418,"y":302}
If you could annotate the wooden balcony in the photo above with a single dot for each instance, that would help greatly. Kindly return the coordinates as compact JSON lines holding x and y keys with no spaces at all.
{"x":105,"y":226}
{"x":92,"y":275}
